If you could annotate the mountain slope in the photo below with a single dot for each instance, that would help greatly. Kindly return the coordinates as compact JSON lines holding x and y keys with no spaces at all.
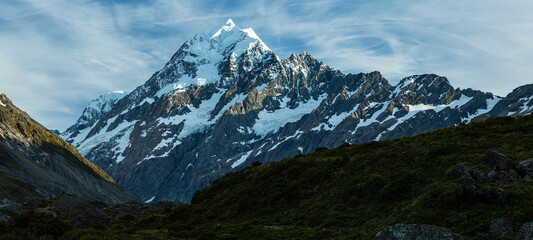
{"x":225,"y":100}
{"x":449,"y":177}
{"x":36,"y":162}
{"x":360,"y":189}
{"x":366,"y":187}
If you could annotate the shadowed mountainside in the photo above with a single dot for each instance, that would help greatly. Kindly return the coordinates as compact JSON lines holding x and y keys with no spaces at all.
{"x":36,"y":162}
{"x":451,"y":178}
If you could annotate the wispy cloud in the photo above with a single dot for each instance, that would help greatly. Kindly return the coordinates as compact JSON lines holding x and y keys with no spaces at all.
{"x":481,"y":44}
{"x":58,"y":55}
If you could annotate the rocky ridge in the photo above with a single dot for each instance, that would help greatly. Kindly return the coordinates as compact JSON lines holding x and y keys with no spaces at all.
{"x":96,"y":109}
{"x":416,"y":231}
{"x":225,"y":100}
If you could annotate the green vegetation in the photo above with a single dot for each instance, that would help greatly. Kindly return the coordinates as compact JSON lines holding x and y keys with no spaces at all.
{"x":350,"y":192}
{"x":32,"y":225}
{"x":15,"y":188}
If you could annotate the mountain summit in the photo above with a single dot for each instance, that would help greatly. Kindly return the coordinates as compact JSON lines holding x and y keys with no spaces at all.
{"x":200,"y":60}
{"x":229,"y":33}
{"x":225,"y":100}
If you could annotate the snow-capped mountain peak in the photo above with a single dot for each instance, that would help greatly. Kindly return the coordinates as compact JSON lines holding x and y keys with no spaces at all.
{"x":224,"y":29}
{"x":212,"y":58}
{"x":101,"y":105}
{"x":230,"y":35}
{"x":225,"y":100}
{"x":96,"y":109}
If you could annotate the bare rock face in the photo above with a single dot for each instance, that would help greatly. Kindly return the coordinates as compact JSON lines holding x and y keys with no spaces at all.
{"x":35,"y":162}
{"x":525,"y":232}
{"x":459,"y":171}
{"x":225,"y":100}
{"x":478,"y":176}
{"x":416,"y":231}
{"x":501,"y":226}
{"x":471,"y":192}
{"x":498,"y":161}
{"x":4,"y":217}
{"x":504,"y":170}
{"x":503,"y":177}
{"x":525,"y":168}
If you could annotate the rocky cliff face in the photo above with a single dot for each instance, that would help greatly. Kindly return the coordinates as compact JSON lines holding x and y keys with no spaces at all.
{"x":225,"y":100}
{"x":35,"y":162}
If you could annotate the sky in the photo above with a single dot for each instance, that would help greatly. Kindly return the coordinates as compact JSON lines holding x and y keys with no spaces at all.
{"x":56,"y":56}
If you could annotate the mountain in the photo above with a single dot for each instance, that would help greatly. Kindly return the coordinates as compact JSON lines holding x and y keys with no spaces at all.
{"x":225,"y":100}
{"x":96,"y":109}
{"x":471,"y":181}
{"x":518,"y":102}
{"x":465,"y":178}
{"x":35,"y":162}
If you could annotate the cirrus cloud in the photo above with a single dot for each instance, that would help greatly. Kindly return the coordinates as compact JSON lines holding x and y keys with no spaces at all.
{"x":58,"y":55}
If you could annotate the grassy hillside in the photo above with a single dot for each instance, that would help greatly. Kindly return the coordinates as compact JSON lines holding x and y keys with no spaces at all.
{"x":351,"y":192}
{"x":36,"y":162}
{"x":17,"y":124}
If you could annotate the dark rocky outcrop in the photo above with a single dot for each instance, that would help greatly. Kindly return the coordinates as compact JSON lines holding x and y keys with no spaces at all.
{"x":501,"y":226}
{"x":525,"y":168}
{"x":525,"y":232}
{"x":459,"y":171}
{"x":471,"y":192}
{"x":4,"y":217}
{"x":504,"y":171}
{"x":498,"y":162}
{"x":478,"y":176}
{"x":503,"y":177}
{"x":416,"y":231}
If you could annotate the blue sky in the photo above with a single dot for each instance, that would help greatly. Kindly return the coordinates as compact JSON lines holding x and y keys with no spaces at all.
{"x":55,"y":56}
